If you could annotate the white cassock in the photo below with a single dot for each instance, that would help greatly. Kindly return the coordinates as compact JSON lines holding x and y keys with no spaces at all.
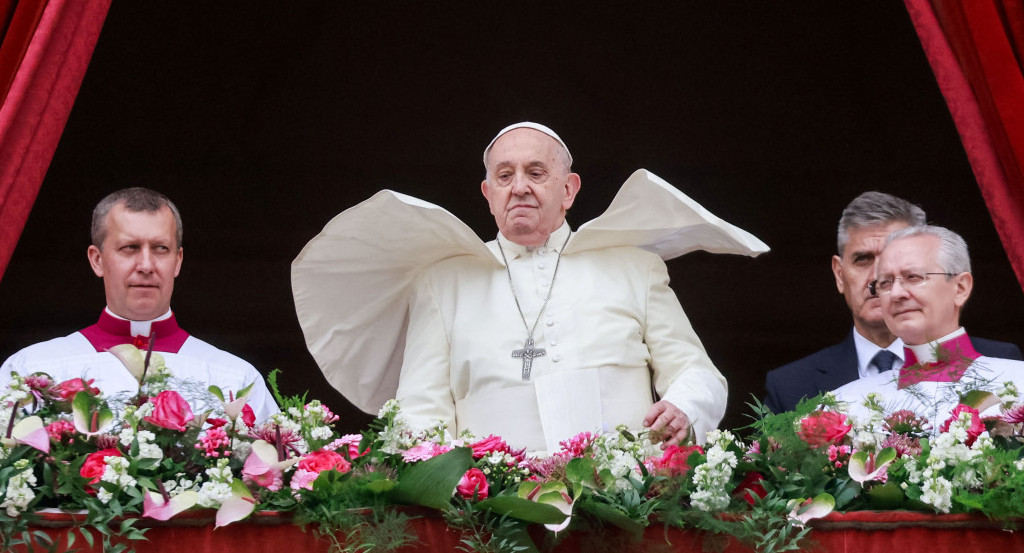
{"x":194,"y":364}
{"x":613,"y":332}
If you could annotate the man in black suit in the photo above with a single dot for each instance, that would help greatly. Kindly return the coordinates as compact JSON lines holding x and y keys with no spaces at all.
{"x":870,"y":347}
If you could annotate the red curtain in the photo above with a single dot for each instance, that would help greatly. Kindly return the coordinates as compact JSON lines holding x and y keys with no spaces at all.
{"x":45,"y":51}
{"x":976,"y":50}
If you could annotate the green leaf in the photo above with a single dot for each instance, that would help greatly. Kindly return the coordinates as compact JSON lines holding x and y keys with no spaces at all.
{"x":580,"y":472}
{"x":216,"y":392}
{"x":979,"y":399}
{"x":612,"y":516}
{"x":430,"y":483}
{"x":523,"y":509}
{"x":886,"y":497}
{"x":381,"y":486}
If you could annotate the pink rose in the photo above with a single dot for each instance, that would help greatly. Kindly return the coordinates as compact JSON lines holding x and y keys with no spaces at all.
{"x":490,"y":444}
{"x":66,"y":390}
{"x":322,"y":460}
{"x":675,"y":459}
{"x":93,"y":467}
{"x":976,"y":428}
{"x":822,"y":428}
{"x":473,"y":483}
{"x":170,"y":410}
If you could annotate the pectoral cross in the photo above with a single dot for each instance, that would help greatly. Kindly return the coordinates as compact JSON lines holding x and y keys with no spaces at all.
{"x":528,"y":353}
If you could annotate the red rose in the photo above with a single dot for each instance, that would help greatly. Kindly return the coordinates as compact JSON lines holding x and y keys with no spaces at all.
{"x":322,"y":460}
{"x":66,"y":390}
{"x":675,"y":459}
{"x":489,"y":444}
{"x":822,"y":428}
{"x":248,"y":416}
{"x":170,"y":410}
{"x":473,"y":483}
{"x":973,"y":431}
{"x":94,"y":466}
{"x":750,"y":485}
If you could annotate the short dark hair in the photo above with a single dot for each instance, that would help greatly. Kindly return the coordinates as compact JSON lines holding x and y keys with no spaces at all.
{"x":135,"y":199}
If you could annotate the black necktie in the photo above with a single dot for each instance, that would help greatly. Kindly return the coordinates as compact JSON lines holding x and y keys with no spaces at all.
{"x":883,"y":360}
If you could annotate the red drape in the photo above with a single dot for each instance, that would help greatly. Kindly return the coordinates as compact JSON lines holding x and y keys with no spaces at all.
{"x":976,"y":50}
{"x":855,"y":532}
{"x":45,"y":51}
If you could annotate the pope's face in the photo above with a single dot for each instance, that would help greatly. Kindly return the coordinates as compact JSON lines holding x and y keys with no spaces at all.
{"x":856,"y":268}
{"x":138,"y":262}
{"x":529,"y":186}
{"x":920,"y":314}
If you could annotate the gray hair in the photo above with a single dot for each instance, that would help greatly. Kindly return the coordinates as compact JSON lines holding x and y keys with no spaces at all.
{"x":953,"y":256}
{"x":872,"y":209}
{"x":135,"y":200}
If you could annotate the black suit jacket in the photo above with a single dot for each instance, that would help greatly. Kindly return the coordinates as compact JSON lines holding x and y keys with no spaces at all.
{"x":836,"y":365}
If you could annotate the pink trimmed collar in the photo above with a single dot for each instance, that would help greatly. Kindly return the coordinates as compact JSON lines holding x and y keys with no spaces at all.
{"x":110,"y":331}
{"x":954,"y":357}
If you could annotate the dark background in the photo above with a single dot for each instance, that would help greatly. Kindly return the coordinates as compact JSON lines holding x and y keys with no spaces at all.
{"x":262,"y":120}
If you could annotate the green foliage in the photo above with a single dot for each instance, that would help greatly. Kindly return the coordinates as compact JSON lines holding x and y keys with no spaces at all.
{"x":483,"y":531}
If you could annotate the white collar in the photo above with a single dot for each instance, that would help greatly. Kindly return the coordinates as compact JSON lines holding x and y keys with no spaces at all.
{"x":554,"y":243}
{"x":925,"y":353}
{"x":140,"y":328}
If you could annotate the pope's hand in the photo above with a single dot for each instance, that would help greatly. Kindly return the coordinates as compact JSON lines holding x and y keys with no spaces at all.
{"x":667,"y":423}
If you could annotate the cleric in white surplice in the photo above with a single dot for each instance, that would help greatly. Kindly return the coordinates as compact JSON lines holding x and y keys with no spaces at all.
{"x":924,"y":279}
{"x":136,"y":250}
{"x":540,"y":334}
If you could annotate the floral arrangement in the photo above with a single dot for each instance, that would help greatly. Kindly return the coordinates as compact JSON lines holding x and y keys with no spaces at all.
{"x":67,"y":446}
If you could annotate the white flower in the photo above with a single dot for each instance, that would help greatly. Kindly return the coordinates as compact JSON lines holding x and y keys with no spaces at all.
{"x":19,"y":489}
{"x":116,"y":472}
{"x":939,"y":494}
{"x":218,"y":489}
{"x":712,"y":478}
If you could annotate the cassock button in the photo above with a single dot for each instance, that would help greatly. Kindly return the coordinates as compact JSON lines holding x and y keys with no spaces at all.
{"x":541,"y":266}
{"x":550,"y":322}
{"x":556,"y":359}
{"x":554,"y":343}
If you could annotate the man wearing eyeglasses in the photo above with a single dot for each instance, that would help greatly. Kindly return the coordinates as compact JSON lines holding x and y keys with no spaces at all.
{"x":870,"y":347}
{"x":924,"y":280}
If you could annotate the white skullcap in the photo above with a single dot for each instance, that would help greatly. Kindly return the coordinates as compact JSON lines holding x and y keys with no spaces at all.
{"x":526,"y":125}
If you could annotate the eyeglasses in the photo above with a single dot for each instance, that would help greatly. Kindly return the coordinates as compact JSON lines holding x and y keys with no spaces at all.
{"x":884,"y":285}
